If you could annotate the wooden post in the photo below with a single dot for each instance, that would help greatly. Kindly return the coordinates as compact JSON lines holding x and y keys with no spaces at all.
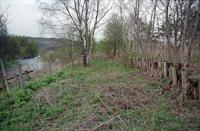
{"x":199,"y":87}
{"x":142,"y":62}
{"x":49,"y":67}
{"x":170,"y":73}
{"x":17,"y":78}
{"x":152,"y":70}
{"x":192,"y":89}
{"x":27,"y":75}
{"x":159,"y":64}
{"x":165,"y":69}
{"x":21,"y":80}
{"x":174,"y":75}
{"x":136,"y":62}
{"x":149,"y":64}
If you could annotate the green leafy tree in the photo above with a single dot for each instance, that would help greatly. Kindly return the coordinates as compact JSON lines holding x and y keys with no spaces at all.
{"x":113,"y":35}
{"x":22,"y":47}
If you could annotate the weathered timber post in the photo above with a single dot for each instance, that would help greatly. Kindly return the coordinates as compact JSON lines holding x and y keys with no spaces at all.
{"x":160,"y":69}
{"x":21,"y":79}
{"x":49,"y":67}
{"x":155,"y":68}
{"x":192,"y":89}
{"x":17,"y":79}
{"x":165,"y":69}
{"x":170,"y":71}
{"x":140,"y":63}
{"x":199,"y":88}
{"x":149,"y":64}
{"x":136,"y":62}
{"x":159,"y":64}
{"x":195,"y":89}
{"x":143,"y":64}
{"x":151,"y":69}
{"x":27,"y":75}
{"x":174,"y":75}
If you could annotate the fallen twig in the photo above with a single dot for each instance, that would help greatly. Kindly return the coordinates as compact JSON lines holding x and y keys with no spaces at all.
{"x":106,"y":122}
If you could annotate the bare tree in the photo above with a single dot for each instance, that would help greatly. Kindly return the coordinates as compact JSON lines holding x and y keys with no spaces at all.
{"x":167,"y":30}
{"x":83,"y":15}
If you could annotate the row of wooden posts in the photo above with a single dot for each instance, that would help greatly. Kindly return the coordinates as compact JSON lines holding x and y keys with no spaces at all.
{"x":189,"y":86}
{"x":20,"y":77}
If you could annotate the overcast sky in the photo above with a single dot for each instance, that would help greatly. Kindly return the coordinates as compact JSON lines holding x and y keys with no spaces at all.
{"x":23,"y":18}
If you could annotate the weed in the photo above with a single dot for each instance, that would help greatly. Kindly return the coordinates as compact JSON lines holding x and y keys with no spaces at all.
{"x":79,"y":101}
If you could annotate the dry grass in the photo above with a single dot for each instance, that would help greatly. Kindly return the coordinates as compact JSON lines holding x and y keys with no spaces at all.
{"x":45,"y":96}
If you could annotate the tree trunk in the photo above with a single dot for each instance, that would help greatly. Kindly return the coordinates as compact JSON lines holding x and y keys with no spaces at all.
{"x":85,"y":53}
{"x":114,"y":45}
{"x":186,"y":56}
{"x":3,"y":75}
{"x":184,"y":81}
{"x":3,"y":68}
{"x":167,"y":32}
{"x":85,"y":61}
{"x":185,"y":41}
{"x":72,"y":53}
{"x":90,"y":44}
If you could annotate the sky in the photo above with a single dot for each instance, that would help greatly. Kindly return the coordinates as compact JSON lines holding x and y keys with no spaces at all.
{"x":23,"y":18}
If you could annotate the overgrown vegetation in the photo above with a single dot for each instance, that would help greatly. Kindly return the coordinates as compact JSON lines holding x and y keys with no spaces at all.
{"x":99,"y":97}
{"x":143,"y":75}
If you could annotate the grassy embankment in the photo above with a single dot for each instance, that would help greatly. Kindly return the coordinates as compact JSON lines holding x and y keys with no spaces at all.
{"x":105,"y":96}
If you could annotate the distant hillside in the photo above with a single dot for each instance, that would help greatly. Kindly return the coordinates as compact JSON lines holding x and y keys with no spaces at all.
{"x":48,"y":43}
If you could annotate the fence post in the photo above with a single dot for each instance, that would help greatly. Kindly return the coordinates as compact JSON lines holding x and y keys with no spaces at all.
{"x":174,"y":75}
{"x":165,"y":70}
{"x":21,"y":79}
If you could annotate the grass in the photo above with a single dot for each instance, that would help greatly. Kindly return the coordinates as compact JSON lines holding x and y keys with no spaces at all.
{"x":79,"y":98}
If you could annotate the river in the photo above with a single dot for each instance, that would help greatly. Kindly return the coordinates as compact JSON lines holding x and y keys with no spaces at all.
{"x":35,"y":64}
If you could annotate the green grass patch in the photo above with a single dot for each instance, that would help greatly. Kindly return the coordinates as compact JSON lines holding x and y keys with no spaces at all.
{"x":78,"y":99}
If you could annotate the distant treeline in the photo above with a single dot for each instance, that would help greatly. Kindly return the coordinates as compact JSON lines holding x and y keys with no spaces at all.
{"x":21,"y":47}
